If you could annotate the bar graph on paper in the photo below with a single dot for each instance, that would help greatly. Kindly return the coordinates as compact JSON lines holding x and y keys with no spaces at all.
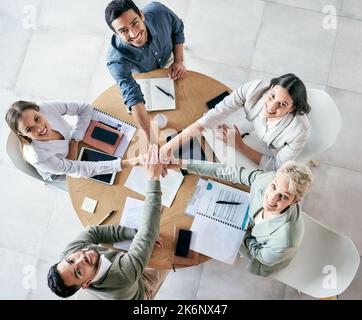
{"x":227,"y":213}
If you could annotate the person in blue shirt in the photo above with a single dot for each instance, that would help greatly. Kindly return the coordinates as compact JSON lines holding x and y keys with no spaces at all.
{"x":143,"y":41}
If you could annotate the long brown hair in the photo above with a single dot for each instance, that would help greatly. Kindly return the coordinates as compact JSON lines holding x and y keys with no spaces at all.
{"x":13,"y":115}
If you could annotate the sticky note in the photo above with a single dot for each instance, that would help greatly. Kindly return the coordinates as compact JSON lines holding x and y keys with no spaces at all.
{"x":89,"y":205}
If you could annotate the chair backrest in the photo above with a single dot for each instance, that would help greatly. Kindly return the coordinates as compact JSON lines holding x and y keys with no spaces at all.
{"x":14,"y":152}
{"x":325,"y":263}
{"x":326,"y":122}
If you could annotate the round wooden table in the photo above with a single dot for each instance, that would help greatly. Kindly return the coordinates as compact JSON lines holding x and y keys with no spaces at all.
{"x":191,"y":92}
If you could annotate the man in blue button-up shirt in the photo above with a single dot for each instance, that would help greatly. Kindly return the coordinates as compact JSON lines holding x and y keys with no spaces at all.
{"x":143,"y":41}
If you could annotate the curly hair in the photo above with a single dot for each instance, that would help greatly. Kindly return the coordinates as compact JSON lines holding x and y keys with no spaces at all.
{"x":56,"y":283}
{"x":299,"y":177}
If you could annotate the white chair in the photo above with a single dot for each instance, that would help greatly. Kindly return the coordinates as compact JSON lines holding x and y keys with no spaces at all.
{"x":14,"y":153}
{"x":325,"y":263}
{"x":326,"y":123}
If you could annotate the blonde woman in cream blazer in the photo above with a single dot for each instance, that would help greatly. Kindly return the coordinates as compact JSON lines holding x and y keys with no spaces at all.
{"x":275,"y":219}
{"x":277,"y":112}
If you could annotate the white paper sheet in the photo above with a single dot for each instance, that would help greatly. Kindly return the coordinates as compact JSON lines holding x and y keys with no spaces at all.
{"x":137,"y":181}
{"x":131,"y":217}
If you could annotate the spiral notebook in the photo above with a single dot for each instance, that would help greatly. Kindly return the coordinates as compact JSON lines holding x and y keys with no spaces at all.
{"x":159,"y":93}
{"x":126,"y":128}
{"x":219,"y":228}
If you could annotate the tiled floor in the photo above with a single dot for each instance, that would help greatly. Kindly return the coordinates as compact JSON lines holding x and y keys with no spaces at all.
{"x":56,"y":50}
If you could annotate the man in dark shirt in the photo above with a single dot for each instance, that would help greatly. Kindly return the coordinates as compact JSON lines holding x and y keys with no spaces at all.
{"x":143,"y":41}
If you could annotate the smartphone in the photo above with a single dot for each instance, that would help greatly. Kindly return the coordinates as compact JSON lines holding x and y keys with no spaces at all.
{"x":104,"y":135}
{"x":183,"y":243}
{"x":213,"y":102}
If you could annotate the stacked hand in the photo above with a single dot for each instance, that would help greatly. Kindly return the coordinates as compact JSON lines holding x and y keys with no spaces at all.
{"x":231,"y":136}
{"x":156,"y":162}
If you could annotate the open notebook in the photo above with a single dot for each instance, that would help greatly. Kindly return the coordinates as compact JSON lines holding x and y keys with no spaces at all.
{"x":218,"y":229}
{"x":126,"y":129}
{"x":159,"y":93}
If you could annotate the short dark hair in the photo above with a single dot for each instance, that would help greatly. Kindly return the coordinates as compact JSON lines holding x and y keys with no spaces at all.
{"x":296,"y":90}
{"x":116,"y":8}
{"x":56,"y":283}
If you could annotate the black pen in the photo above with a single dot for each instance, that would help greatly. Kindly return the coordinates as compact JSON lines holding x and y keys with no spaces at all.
{"x":227,"y":202}
{"x":165,"y":92}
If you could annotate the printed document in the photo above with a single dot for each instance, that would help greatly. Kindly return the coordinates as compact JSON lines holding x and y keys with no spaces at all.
{"x":219,"y":228}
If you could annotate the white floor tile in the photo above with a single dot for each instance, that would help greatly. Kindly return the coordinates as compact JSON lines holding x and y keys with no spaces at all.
{"x":265,"y":76}
{"x":352,"y":9}
{"x":17,"y":274}
{"x":41,"y":291}
{"x":59,"y":65}
{"x":26,"y":207}
{"x":346,"y":69}
{"x":101,"y":78}
{"x":24,"y":10}
{"x":179,"y":7}
{"x":181,"y":285}
{"x":302,"y":47}
{"x":233,"y":77}
{"x":354,"y":291}
{"x":63,"y":227}
{"x":7,"y":97}
{"x":317,"y":5}
{"x":226,"y":33}
{"x":235,"y":282}
{"x":75,"y":15}
{"x":12,"y":52}
{"x":335,"y":201}
{"x":292,"y":294}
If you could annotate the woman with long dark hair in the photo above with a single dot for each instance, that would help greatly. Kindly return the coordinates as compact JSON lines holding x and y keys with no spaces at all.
{"x":277,"y":112}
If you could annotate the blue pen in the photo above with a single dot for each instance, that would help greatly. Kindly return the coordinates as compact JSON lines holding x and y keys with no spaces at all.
{"x":246,"y":218}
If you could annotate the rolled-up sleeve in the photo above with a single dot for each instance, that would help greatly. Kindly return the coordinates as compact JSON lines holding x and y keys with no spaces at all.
{"x":129,"y":88}
{"x":223,"y":109}
{"x":77,"y":169}
{"x":178,"y":36}
{"x":82,"y":110}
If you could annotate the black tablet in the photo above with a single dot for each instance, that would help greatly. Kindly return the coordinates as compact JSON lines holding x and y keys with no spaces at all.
{"x":87,"y":154}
